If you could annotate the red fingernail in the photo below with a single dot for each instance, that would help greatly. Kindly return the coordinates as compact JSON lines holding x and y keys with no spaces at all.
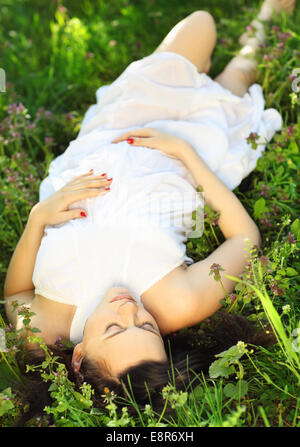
{"x":82,"y":213}
{"x":130,"y":140}
{"x":107,"y":188}
{"x":109,"y":179}
{"x":102,"y":175}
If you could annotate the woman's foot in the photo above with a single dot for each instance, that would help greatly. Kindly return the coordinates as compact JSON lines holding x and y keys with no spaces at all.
{"x":277,"y":6}
{"x":255,"y":35}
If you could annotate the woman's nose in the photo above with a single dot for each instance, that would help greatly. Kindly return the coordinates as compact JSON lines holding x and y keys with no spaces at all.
{"x":128,"y":304}
{"x":128,"y":308}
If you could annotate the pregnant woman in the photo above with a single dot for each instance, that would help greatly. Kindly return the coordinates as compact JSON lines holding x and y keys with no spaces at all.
{"x":102,"y":261}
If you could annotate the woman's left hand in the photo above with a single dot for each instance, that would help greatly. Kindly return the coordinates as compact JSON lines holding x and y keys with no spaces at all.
{"x":55,"y":209}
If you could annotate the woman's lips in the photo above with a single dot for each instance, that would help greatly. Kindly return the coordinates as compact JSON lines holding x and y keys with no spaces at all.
{"x":122,"y":297}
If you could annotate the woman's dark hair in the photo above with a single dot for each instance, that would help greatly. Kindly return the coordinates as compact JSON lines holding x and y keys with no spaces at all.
{"x":191,"y":351}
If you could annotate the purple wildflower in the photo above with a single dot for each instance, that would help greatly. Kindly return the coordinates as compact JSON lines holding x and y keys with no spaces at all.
{"x":20,"y":107}
{"x":264,"y":260}
{"x":266,"y":222}
{"x":252,"y":139}
{"x":284,"y":36}
{"x":264,"y":190}
{"x":58,"y":342}
{"x":233,"y":297}
{"x":48,"y":140}
{"x":275,"y":289}
{"x":69,"y":116}
{"x":215,"y":270}
{"x":48,"y":114}
{"x":290,"y":130}
{"x":291,"y":238}
{"x":275,"y":28}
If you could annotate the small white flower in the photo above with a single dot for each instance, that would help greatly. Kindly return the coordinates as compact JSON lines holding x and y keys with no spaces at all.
{"x":286,"y":309}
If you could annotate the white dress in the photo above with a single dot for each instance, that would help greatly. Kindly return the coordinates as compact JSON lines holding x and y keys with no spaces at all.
{"x":136,"y":233}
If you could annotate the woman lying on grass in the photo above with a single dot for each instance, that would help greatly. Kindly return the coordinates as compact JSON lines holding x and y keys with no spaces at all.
{"x":95,"y":267}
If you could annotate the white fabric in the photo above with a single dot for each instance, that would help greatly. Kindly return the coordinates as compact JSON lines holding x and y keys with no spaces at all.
{"x":129,"y":238}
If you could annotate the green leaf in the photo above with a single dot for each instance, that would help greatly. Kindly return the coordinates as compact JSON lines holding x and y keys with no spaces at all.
{"x":84,"y":402}
{"x":291,"y":272}
{"x":6,"y":403}
{"x":236,"y":391}
{"x":295,"y":228}
{"x":198,"y":392}
{"x":222,"y":367}
{"x":217,"y":369}
{"x":7,"y":376}
{"x":61,"y":407}
{"x":234,"y":353}
{"x":53,"y":387}
{"x":293,"y":147}
{"x":267,"y":378}
{"x":260,"y":207}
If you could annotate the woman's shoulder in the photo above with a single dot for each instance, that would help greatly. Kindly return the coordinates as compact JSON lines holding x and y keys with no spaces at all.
{"x":51,"y":318}
{"x":170,"y":300}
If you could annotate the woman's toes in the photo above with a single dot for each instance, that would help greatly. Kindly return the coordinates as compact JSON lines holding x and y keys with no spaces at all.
{"x":270,"y":6}
{"x":288,"y":5}
{"x":280,"y":5}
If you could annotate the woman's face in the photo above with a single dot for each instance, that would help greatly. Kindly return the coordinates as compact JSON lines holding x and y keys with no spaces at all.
{"x":121,"y":332}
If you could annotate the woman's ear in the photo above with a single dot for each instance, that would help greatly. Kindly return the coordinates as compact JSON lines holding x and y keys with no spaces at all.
{"x":77,"y":357}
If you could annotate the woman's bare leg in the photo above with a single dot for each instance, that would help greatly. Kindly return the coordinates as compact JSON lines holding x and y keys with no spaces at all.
{"x":268,"y":8}
{"x":194,"y":37}
{"x":241,"y":71}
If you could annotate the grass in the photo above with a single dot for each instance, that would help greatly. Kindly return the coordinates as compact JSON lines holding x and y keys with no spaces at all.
{"x":55,"y":56}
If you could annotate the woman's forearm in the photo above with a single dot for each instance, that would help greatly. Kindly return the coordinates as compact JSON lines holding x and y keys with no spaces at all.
{"x":234,"y":219}
{"x":21,"y":266}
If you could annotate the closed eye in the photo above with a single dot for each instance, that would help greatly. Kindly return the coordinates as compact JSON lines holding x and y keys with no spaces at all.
{"x":117,"y":325}
{"x":151,"y":329}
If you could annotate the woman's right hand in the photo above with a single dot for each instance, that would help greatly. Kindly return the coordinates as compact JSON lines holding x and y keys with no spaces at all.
{"x":155,"y":139}
{"x":55,"y":209}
